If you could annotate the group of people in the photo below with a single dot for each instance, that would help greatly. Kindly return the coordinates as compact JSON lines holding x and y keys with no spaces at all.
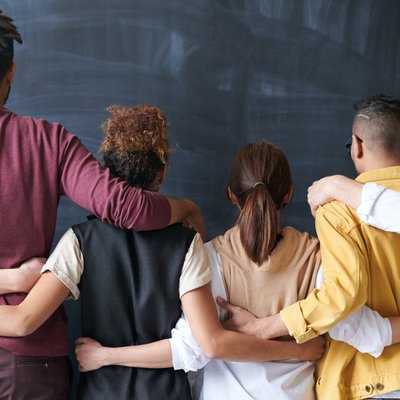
{"x":148,"y":284}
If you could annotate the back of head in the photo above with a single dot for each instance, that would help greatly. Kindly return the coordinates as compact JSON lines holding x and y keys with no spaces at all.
{"x":378,"y":120}
{"x":8,"y":33}
{"x":135,"y":147}
{"x":260,"y":180}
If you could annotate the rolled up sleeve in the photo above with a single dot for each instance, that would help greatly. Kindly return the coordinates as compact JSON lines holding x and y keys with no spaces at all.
{"x":66,"y":262}
{"x":344,"y":289}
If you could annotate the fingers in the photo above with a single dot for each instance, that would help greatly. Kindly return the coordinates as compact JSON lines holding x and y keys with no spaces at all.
{"x":225,"y":305}
{"x":82,"y":340}
{"x":310,"y":198}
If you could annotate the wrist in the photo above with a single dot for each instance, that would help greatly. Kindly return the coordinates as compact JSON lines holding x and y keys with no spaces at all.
{"x":105,"y":356}
{"x":16,"y":280}
{"x":260,"y":327}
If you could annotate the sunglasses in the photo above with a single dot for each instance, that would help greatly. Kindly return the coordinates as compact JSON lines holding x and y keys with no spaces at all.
{"x":348,"y":146}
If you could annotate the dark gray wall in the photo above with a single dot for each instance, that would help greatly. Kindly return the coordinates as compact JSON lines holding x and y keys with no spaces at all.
{"x":225,"y":72}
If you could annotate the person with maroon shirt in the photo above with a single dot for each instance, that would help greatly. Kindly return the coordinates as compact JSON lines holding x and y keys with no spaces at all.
{"x":40,"y":162}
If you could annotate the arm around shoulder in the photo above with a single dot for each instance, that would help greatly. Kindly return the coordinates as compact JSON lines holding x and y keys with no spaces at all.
{"x":336,"y":187}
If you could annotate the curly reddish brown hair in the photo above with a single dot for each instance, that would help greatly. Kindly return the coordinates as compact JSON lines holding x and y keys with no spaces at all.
{"x":135,"y":146}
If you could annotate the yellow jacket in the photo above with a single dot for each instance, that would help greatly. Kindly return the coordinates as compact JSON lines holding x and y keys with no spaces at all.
{"x":361,"y":265}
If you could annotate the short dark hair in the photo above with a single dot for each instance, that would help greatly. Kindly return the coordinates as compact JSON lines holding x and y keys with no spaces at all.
{"x":135,"y":146}
{"x":8,"y":33}
{"x":380,"y":114}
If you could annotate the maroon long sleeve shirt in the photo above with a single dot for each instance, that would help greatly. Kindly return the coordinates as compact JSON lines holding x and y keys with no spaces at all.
{"x":39,"y":162}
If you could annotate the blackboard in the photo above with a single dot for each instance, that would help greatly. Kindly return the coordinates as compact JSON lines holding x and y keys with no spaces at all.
{"x":225,"y":73}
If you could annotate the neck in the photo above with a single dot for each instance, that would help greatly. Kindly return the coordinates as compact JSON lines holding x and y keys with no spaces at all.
{"x":5,"y":86}
{"x":3,"y":94}
{"x":380,"y":162}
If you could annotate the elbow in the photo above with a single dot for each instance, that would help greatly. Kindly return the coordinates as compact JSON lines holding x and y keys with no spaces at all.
{"x":23,"y":330}
{"x":213,"y":348}
{"x":21,"y":326}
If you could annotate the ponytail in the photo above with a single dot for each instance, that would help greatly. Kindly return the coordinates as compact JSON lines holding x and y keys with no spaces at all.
{"x":258,"y":224}
{"x":260,"y":180}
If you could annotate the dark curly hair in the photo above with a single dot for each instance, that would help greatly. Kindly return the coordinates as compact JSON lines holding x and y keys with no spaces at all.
{"x":8,"y":33}
{"x":135,"y":147}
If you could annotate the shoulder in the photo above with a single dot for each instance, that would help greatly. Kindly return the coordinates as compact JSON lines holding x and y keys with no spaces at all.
{"x":93,"y":228}
{"x":338,"y":216}
{"x":232,"y":235}
{"x":40,"y":130}
{"x":174,"y":232}
{"x":293,"y":233}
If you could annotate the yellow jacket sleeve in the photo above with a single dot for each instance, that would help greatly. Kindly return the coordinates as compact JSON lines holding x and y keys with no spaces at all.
{"x":346,"y":272}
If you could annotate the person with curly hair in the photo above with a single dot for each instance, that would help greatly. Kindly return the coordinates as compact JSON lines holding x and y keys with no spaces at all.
{"x":40,"y":162}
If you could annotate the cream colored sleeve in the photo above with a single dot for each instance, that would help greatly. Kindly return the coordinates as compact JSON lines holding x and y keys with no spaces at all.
{"x":196,"y":268}
{"x":66,"y":262}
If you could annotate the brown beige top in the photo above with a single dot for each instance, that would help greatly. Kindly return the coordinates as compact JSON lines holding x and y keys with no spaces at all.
{"x":287,"y":276}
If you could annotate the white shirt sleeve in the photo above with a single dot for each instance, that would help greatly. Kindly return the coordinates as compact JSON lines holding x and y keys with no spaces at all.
{"x":380,"y":207}
{"x":186,"y":354}
{"x":66,"y":262}
{"x":365,"y":330}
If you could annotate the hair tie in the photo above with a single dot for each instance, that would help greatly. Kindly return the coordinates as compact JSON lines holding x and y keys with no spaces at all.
{"x":258,"y":183}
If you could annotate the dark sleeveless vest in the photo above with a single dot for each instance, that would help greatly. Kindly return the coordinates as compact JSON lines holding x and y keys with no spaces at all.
{"x":129,"y":296}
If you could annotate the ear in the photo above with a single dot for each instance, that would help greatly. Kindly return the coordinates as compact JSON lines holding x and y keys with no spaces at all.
{"x":162,"y":174}
{"x":288,"y":197}
{"x":232,"y":197}
{"x":10,"y":74}
{"x":357,"y":148}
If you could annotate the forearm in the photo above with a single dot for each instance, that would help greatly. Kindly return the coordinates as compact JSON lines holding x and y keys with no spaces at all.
{"x":41,"y":302}
{"x":265,"y":328}
{"x":91,"y":355}
{"x":239,"y":347}
{"x":346,"y":190}
{"x":13,"y":321}
{"x":9,"y":281}
{"x":216,"y":342}
{"x":336,"y":187}
{"x":187,"y":211}
{"x":22,"y":279}
{"x":152,"y":355}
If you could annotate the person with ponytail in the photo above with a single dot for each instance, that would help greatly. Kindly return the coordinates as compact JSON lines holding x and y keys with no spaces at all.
{"x":256,"y":265}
